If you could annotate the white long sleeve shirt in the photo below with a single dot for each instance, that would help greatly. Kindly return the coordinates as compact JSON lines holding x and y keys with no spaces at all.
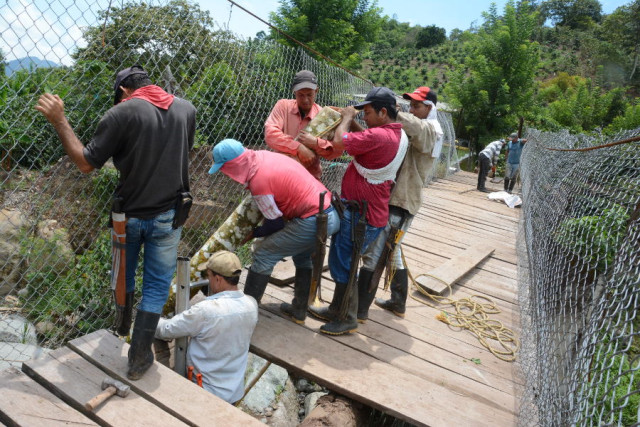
{"x":220,"y":328}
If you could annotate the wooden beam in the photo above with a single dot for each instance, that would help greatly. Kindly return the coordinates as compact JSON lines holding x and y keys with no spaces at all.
{"x":67,"y":375}
{"x":160,"y":384}
{"x":438,"y":280}
{"x":26,"y":403}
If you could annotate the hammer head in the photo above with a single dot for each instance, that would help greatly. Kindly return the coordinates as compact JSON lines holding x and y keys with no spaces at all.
{"x":122,"y":389}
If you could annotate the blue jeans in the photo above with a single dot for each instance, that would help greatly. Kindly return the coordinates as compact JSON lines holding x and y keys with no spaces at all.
{"x":297,"y":239}
{"x":371,"y":257}
{"x":342,"y":246}
{"x":160,"y":242}
{"x":511,"y":170}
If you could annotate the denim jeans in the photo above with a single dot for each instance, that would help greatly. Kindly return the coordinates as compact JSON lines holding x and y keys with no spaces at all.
{"x":373,"y":252}
{"x":160,"y":242}
{"x":342,"y":246}
{"x":511,"y":170}
{"x":297,"y":239}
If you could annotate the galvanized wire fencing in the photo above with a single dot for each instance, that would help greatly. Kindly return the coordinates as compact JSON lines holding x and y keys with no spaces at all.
{"x":580,"y":281}
{"x":55,"y":246}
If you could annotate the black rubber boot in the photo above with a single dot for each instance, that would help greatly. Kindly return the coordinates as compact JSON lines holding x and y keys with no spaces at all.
{"x":511,"y":185}
{"x":125,"y":327}
{"x":346,"y":325}
{"x":330,"y":313}
{"x":365,"y":298}
{"x":399,"y":288}
{"x":506,"y":184}
{"x":255,"y":285}
{"x":297,"y":310}
{"x":140,"y":353}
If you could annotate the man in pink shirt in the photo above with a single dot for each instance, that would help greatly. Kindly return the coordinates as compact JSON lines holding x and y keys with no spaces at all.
{"x":287,"y":196}
{"x":283,"y":128}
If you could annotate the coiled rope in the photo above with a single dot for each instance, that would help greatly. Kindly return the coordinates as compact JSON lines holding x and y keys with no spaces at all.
{"x":471,"y":314}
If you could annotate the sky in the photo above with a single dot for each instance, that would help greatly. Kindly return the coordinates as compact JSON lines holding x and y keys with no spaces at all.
{"x":52,"y":29}
{"x":447,"y":14}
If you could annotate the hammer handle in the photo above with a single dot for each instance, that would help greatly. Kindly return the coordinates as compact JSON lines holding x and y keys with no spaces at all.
{"x":107,"y":393}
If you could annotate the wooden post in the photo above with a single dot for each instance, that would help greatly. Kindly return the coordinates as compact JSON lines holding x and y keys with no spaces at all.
{"x":182,"y":304}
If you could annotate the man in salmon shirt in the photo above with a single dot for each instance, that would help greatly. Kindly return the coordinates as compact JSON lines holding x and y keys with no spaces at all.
{"x":283,"y":128}
{"x":287,"y":196}
{"x":377,"y":154}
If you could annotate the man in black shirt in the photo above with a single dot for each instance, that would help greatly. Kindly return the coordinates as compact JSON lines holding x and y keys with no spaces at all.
{"x":148,"y":133}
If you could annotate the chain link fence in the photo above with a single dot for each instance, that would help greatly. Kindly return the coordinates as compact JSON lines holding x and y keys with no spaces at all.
{"x":579,"y":287}
{"x":55,"y":250}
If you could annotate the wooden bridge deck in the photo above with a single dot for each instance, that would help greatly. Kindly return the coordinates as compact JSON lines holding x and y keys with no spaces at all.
{"x":418,"y":369}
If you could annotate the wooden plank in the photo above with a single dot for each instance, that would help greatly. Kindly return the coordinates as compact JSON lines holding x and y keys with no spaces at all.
{"x":24,"y":402}
{"x":423,"y":359}
{"x":284,"y":272}
{"x":438,"y":280}
{"x":359,"y":376}
{"x":159,"y":384}
{"x":450,"y":352}
{"x":67,"y":375}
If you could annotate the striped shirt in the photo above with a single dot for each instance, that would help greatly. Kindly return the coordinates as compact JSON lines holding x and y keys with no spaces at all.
{"x":492,"y":151}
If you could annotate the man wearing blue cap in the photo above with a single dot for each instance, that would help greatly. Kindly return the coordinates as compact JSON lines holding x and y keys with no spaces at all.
{"x":148,"y":133}
{"x":287,"y":196}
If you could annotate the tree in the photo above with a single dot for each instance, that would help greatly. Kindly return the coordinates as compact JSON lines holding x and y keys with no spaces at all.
{"x":339,"y":29}
{"x":622,"y":28}
{"x":179,"y":35}
{"x":495,"y":84}
{"x":576,"y":14}
{"x":431,"y":36}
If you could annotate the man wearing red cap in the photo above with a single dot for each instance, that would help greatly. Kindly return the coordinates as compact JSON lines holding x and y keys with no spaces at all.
{"x":148,"y":133}
{"x":424,"y":132}
{"x":283,"y":128}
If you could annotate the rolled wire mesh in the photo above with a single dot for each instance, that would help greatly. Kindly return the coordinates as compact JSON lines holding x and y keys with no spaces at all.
{"x":579,"y":284}
{"x":55,"y":258}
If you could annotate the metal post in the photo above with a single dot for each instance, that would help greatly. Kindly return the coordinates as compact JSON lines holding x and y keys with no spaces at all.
{"x":183,"y":289}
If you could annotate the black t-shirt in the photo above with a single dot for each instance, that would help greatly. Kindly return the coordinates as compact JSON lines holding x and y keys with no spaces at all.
{"x":150,"y":148}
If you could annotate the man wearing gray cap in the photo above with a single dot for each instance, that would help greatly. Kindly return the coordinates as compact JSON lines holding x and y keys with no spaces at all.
{"x":283,"y":130}
{"x":220,"y":328}
{"x":148,"y":133}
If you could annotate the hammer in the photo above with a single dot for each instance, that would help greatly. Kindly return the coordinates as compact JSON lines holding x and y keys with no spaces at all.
{"x":110,"y":387}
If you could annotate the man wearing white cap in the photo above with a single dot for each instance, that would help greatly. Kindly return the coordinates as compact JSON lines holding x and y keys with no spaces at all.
{"x":220,"y":328}
{"x":283,"y":128}
{"x":287,"y":197}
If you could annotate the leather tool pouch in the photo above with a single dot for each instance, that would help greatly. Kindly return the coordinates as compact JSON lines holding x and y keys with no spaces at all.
{"x":183,"y":205}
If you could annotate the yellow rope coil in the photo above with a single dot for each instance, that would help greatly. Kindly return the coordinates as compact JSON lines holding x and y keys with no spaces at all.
{"x":471,"y":314}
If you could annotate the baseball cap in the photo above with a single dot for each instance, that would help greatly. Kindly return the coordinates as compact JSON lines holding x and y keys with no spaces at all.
{"x":225,"y":150}
{"x":122,"y":75}
{"x":224,"y":263}
{"x":422,"y":93}
{"x":513,"y":135}
{"x":304,"y":79}
{"x":380,"y":95}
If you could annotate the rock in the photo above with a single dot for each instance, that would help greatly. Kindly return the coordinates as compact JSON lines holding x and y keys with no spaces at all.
{"x":44,"y":327}
{"x":268,"y":387}
{"x":334,"y":411}
{"x":11,"y":266}
{"x":15,"y":329}
{"x":13,"y":354}
{"x":286,"y":410}
{"x":311,"y":400}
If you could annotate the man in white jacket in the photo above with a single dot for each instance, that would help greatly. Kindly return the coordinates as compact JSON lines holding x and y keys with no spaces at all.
{"x":220,"y":328}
